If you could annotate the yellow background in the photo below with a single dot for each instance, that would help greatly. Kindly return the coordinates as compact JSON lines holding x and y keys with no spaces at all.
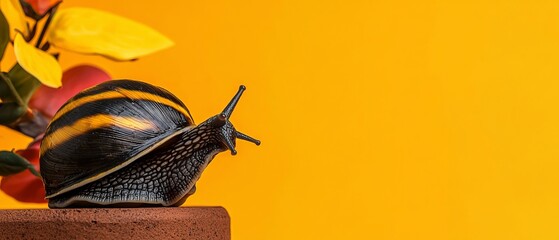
{"x":379,"y":119}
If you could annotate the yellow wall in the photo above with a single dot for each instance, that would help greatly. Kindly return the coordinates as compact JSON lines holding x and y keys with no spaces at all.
{"x":400,"y":120}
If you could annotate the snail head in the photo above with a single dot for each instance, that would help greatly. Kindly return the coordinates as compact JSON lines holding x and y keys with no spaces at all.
{"x":227,"y":132}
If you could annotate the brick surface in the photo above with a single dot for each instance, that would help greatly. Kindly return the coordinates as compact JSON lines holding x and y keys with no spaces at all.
{"x":116,"y":223}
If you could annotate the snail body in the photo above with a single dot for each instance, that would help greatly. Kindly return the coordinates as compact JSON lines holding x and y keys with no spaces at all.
{"x":126,"y":143}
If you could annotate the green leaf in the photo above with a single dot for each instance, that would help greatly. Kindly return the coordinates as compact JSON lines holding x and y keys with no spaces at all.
{"x":24,"y":83}
{"x":12,"y":106}
{"x":11,"y":163}
{"x":5,"y":91}
{"x":4,"y":34}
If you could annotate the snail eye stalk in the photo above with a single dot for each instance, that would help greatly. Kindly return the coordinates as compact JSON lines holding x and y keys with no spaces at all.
{"x":230,"y":145}
{"x":219,"y":121}
{"x":228,"y":110}
{"x":248,"y":138}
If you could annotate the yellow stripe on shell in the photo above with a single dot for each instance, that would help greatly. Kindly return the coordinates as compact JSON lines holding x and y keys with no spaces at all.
{"x":86,"y":124}
{"x":118,"y":93}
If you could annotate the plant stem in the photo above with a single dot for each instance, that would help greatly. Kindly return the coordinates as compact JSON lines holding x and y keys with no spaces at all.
{"x":32,"y":32}
{"x":12,"y":89}
{"x":34,"y":171}
{"x":47,"y":23}
{"x":32,"y":123}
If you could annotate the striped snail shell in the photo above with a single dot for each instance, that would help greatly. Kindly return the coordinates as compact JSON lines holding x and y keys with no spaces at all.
{"x":126,"y":143}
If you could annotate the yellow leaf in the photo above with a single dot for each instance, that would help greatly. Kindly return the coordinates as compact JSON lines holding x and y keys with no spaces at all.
{"x":41,"y":65}
{"x":91,"y":31}
{"x":14,"y":14}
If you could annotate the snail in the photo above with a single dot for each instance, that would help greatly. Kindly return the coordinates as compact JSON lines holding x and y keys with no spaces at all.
{"x":126,"y":143}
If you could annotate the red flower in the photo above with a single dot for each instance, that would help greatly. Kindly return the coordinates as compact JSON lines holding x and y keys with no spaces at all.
{"x":24,"y":186}
{"x":40,"y":6}
{"x":49,"y":100}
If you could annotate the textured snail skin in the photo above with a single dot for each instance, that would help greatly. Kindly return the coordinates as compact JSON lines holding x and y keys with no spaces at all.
{"x":91,"y":157}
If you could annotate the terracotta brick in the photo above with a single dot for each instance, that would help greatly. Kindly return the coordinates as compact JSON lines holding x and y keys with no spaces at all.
{"x":116,"y":223}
